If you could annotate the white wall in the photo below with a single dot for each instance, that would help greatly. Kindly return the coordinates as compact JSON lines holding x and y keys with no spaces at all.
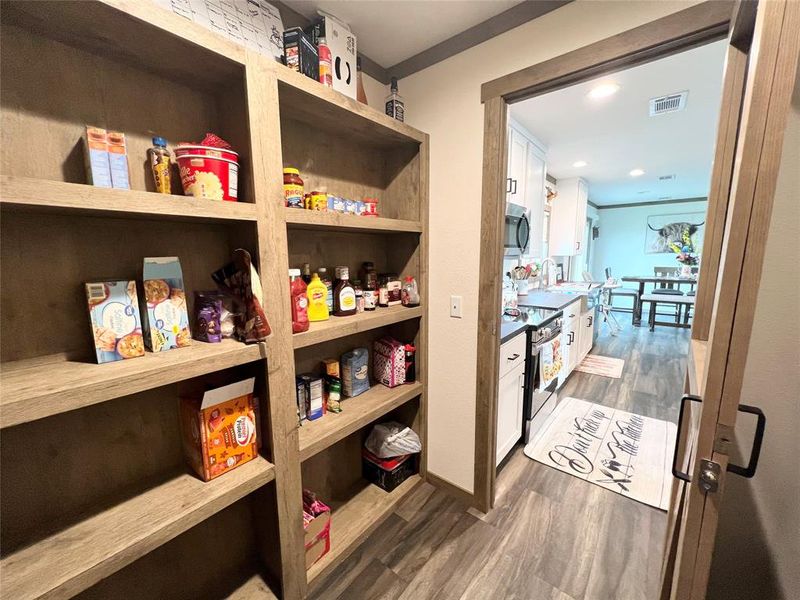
{"x":444,"y":100}
{"x":376,"y":92}
{"x":621,"y":243}
{"x":758,"y":543}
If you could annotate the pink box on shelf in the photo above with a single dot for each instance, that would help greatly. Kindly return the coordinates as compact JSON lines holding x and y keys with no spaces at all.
{"x":389,"y":362}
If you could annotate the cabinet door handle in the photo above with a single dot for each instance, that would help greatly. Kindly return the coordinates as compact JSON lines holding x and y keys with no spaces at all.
{"x":577,"y":245}
{"x":513,"y":358}
{"x":514,"y":183}
{"x":508,"y":185}
{"x":591,"y":320}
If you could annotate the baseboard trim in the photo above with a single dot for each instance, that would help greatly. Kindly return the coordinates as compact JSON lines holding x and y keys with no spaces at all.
{"x":454,"y":490}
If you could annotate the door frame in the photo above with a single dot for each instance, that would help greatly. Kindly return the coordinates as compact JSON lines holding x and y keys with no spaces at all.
{"x":700,"y":24}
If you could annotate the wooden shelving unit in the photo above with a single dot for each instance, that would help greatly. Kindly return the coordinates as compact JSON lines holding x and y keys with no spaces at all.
{"x":71,"y":560}
{"x":96,"y":497}
{"x":48,"y":385}
{"x":356,"y":519}
{"x":317,"y":435}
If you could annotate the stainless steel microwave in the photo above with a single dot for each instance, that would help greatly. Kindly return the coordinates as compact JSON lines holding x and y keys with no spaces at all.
{"x":517,"y":236}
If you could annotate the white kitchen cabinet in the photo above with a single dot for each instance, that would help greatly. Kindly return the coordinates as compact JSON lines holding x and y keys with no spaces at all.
{"x":510,"y":394}
{"x":586,"y":336}
{"x":568,"y":217}
{"x":527,"y":172}
{"x":570,"y":340}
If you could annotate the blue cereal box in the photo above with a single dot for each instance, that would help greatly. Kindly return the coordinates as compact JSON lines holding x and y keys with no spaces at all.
{"x":114,"y":316}
{"x":166,"y":324}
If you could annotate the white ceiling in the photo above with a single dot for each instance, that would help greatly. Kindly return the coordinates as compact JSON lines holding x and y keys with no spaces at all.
{"x":390,"y":31}
{"x":615,"y":135}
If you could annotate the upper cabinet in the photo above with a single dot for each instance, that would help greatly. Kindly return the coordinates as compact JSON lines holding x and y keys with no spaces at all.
{"x":568,"y":217}
{"x":525,"y":184}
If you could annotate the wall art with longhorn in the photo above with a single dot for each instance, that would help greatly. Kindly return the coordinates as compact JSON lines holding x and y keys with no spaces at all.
{"x":668,"y":234}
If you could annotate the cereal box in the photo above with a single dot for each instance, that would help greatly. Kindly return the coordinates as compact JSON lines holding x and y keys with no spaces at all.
{"x":219,"y":430}
{"x":118,"y":160}
{"x":114,"y":316}
{"x":166,"y":325}
{"x":95,"y":146}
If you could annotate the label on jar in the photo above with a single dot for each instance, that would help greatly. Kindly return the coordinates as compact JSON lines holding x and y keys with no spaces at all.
{"x":393,"y":289}
{"x":370,"y":299}
{"x":383,"y":296}
{"x":293,"y":194}
{"x":347,"y":299}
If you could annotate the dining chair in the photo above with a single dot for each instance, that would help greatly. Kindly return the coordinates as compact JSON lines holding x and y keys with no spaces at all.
{"x":668,"y":289}
{"x":624,"y":292}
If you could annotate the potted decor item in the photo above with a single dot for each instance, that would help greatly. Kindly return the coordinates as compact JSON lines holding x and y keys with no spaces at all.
{"x":687,"y":260}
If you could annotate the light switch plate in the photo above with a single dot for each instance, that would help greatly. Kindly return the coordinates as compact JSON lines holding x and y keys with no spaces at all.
{"x":455,"y":307}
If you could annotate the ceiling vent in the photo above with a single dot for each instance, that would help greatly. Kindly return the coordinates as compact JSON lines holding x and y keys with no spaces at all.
{"x":667,"y":104}
{"x":666,"y":177}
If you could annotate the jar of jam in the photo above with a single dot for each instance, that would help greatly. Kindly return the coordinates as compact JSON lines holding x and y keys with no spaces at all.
{"x":292,"y":188}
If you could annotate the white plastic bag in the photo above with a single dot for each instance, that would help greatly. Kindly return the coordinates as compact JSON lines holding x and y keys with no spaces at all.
{"x":392,"y":439}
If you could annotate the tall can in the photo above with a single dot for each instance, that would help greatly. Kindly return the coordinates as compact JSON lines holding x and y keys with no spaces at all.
{"x":325,"y":63}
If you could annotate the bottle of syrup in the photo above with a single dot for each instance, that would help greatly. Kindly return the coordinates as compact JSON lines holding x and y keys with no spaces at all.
{"x":344,"y":294}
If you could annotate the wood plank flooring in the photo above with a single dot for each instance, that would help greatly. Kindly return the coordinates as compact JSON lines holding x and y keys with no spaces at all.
{"x":550,"y":536}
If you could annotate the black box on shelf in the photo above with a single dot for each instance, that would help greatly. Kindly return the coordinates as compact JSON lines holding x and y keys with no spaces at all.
{"x":300,"y":53}
{"x":387,"y":473}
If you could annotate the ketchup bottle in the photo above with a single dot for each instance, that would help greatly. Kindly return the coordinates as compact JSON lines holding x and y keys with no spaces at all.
{"x":297,"y":292}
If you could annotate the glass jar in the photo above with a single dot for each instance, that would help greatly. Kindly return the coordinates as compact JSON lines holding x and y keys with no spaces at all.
{"x":292,"y":188}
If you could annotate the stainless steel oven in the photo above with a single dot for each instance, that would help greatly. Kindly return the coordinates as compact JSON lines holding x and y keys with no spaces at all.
{"x":539,"y":400}
{"x":517,"y":234}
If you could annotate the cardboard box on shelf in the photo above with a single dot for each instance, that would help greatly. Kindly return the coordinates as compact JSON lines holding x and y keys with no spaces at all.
{"x":219,"y":430}
{"x":301,"y":53}
{"x":165,"y":316}
{"x":343,"y":45}
{"x":114,"y":316}
{"x":95,"y":147}
{"x":118,"y":161}
{"x":317,"y":526}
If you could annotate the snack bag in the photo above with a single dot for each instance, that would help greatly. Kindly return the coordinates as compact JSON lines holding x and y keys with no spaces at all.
{"x":239,"y":280}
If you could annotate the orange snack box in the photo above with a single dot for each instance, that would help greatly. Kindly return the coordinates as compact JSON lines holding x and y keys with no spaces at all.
{"x":219,"y":429}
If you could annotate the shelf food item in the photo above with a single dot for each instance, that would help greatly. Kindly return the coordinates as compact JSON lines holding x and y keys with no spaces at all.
{"x":389,"y":363}
{"x":343,"y":48}
{"x":326,"y":279}
{"x":395,"y":107}
{"x":240,"y":282}
{"x":118,"y":161}
{"x":299,"y":300}
{"x":114,"y":317}
{"x":355,"y":372}
{"x":300,"y":389}
{"x":359,"y":295}
{"x":161,"y":165}
{"x":333,"y":385}
{"x":317,"y":201}
{"x":389,"y":290}
{"x":411,"y":363}
{"x":166,"y":325}
{"x":317,"y":526}
{"x":409,"y":294}
{"x":317,"y":293}
{"x":209,"y":169}
{"x":325,"y":63}
{"x":344,"y":294}
{"x":95,"y":146}
{"x":208,"y":316}
{"x":335,"y":203}
{"x":312,"y":395}
{"x":300,"y":53}
{"x":292,"y":188}
{"x":370,"y":207}
{"x":219,"y":429}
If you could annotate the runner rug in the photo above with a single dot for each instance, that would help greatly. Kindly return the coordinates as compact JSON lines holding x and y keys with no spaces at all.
{"x":626,"y":453}
{"x":601,"y":365}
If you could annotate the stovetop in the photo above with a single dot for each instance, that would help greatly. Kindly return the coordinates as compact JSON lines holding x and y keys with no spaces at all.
{"x":533,"y":317}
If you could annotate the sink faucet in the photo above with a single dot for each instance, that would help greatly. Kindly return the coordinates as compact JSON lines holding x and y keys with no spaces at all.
{"x":545,"y":262}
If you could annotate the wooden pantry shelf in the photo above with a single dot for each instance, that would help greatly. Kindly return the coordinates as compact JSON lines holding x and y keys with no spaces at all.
{"x":311,"y":219}
{"x":40,"y":387}
{"x":357,"y":412}
{"x":76,"y":558}
{"x":337,"y":327}
{"x":356,"y":519}
{"x":698,"y":350}
{"x":41,"y":195}
{"x":254,"y":588}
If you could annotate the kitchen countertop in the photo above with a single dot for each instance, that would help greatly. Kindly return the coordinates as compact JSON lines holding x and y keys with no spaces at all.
{"x":550,"y":300}
{"x":510,"y":330}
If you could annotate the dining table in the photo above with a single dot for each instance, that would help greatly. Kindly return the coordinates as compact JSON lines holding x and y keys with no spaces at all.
{"x":654,"y":279}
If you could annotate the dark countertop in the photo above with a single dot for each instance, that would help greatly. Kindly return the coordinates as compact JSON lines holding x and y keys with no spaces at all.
{"x":548,"y":300}
{"x":510,"y":330}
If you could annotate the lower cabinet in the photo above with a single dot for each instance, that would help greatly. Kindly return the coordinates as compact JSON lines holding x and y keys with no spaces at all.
{"x":586,"y":336}
{"x":510,"y":393}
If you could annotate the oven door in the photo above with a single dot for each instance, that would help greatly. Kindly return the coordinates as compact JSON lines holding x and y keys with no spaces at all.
{"x":517,"y":233}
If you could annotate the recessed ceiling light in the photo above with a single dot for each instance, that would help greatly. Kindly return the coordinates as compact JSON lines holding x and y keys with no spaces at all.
{"x":636,"y":173}
{"x":604,"y":90}
{"x":579,"y":163}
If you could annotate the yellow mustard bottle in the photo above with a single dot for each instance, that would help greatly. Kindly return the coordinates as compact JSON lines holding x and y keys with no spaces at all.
{"x":317,"y":300}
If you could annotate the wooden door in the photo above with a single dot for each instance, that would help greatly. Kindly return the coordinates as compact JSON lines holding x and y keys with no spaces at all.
{"x":760,"y":73}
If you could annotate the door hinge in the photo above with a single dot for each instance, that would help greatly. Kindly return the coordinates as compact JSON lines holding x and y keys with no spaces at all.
{"x":709,"y":476}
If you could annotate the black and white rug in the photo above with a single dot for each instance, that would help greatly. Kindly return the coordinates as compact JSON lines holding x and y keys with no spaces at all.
{"x":626,"y":453}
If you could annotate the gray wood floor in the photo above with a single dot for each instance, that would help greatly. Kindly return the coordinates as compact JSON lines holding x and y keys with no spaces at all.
{"x":550,"y":536}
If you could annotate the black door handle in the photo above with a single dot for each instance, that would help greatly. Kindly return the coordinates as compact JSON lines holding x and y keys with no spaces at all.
{"x":755,"y":451}
{"x":514,"y":183}
{"x":508,"y":185}
{"x":675,"y":472}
